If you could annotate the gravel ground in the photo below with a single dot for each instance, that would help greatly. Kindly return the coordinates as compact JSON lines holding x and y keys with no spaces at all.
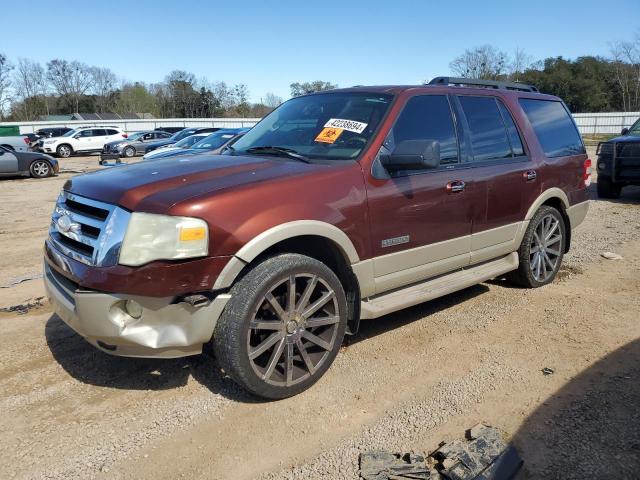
{"x":406,"y":382}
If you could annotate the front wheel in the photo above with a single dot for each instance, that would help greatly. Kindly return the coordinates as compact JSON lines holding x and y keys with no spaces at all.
{"x":541,"y":250}
{"x":283,"y":326}
{"x":608,"y":189}
{"x":129,"y":152}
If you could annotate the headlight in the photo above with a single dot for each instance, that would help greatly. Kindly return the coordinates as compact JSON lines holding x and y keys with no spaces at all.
{"x":152,"y":237}
{"x":49,"y":142}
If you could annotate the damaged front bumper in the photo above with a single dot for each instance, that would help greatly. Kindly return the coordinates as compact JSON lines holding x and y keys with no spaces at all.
{"x":166,"y":328}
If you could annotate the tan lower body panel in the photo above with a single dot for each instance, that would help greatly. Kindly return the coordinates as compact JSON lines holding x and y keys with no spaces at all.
{"x":380,"y":305}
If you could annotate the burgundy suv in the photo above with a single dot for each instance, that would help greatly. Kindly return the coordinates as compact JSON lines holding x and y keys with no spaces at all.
{"x":338,"y":206}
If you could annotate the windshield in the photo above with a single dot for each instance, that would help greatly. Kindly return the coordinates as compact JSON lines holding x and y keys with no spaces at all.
{"x":635,"y":128}
{"x":215,"y":140}
{"x":135,"y":136}
{"x":334,"y":126}
{"x":182,"y":134}
{"x":187,"y":142}
{"x":70,"y":133}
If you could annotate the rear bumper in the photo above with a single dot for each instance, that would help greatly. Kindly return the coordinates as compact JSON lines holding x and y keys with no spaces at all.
{"x":577,"y":213}
{"x":166,"y":328}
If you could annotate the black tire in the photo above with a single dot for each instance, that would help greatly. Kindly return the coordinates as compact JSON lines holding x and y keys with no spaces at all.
{"x":64,"y":150}
{"x":234,"y":338}
{"x":608,"y":189}
{"x":40,"y":169}
{"x":129,"y":152}
{"x":528,"y":274}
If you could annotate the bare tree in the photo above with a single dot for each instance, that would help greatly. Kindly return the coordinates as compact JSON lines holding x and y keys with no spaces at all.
{"x":70,"y":80}
{"x":104,"y":85}
{"x":5,"y":82}
{"x":30,"y":85}
{"x":271,"y":100}
{"x":520,"y":62}
{"x":626,"y":67}
{"x":485,"y":62}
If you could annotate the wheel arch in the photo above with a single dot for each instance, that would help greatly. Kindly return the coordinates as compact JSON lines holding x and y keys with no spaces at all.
{"x":321,"y":241}
{"x":8,"y":147}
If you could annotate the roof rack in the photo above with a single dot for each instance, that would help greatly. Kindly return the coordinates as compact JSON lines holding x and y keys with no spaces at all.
{"x":521,"y":87}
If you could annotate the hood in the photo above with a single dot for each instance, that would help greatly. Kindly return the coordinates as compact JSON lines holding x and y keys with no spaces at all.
{"x":156,"y":186}
{"x":625,"y":138}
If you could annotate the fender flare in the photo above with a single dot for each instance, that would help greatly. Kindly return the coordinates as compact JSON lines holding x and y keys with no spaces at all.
{"x":277,"y":234}
{"x":553,"y":192}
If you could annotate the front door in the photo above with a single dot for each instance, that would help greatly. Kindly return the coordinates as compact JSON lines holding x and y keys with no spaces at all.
{"x":421,"y":219}
{"x":8,"y":161}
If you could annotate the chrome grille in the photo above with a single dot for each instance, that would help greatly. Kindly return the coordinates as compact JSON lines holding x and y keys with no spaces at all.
{"x":87,"y":230}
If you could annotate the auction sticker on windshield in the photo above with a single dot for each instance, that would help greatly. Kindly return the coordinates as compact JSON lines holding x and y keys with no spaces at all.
{"x":349,"y":125}
{"x":329,"y":135}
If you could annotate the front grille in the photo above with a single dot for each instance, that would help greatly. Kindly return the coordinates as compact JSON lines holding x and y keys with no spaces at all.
{"x":88,"y":230}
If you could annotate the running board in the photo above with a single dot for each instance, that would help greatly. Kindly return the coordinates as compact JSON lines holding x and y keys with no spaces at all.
{"x":384,"y":304}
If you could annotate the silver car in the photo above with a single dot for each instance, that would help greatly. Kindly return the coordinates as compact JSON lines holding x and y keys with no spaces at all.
{"x":133,"y":145}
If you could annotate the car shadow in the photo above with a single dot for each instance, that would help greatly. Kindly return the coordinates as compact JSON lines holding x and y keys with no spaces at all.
{"x":589,"y":428}
{"x":372,"y":328}
{"x":89,"y":365}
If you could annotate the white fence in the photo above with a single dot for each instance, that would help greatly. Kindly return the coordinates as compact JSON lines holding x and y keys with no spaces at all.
{"x":604,"y":123}
{"x":588,"y":123}
{"x":137,"y":125}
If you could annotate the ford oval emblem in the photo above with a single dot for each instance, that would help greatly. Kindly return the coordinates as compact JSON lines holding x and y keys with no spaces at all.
{"x":66,"y":225}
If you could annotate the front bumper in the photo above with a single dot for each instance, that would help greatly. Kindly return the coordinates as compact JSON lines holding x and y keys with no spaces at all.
{"x":166,"y":329}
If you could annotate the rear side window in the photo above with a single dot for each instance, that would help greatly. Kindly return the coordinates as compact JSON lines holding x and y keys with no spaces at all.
{"x":427,"y":117}
{"x":512,"y":130}
{"x":554,"y":127}
{"x":489,"y":138}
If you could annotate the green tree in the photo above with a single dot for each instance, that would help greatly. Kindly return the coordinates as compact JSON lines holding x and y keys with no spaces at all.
{"x":305,"y":88}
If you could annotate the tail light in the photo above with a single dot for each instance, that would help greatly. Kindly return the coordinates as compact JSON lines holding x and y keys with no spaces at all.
{"x":586,"y":172}
{"x":124,"y":135}
{"x":26,"y":140}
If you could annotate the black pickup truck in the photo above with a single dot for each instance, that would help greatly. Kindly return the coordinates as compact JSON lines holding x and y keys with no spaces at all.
{"x":619,"y":162}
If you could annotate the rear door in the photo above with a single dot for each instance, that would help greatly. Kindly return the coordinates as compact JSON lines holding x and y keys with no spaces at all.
{"x":420,"y":226}
{"x":504,"y":174}
{"x":8,"y":161}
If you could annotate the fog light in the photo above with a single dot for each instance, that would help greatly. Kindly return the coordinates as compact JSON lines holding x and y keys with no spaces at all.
{"x":133,"y":308}
{"x":601,"y":165}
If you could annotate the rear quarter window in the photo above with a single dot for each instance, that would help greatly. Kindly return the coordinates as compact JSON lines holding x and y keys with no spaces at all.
{"x":554,"y":127}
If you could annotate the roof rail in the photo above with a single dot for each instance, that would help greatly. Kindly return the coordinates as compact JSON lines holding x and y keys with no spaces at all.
{"x":521,"y":87}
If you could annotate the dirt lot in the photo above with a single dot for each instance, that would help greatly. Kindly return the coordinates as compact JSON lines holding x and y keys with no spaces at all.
{"x":407,"y":382}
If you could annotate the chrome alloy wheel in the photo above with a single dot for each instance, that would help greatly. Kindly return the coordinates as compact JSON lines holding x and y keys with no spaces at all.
{"x":293,"y":329}
{"x":545,"y":248}
{"x":64,"y":151}
{"x":40,"y":168}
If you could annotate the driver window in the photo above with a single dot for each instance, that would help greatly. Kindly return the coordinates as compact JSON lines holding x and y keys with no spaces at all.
{"x":426,"y":117}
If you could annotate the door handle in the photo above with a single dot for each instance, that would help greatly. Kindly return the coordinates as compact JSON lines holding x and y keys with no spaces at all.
{"x":455,"y":186}
{"x":530,"y":175}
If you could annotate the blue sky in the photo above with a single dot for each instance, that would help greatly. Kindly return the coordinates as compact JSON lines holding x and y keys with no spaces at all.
{"x":268,"y":45}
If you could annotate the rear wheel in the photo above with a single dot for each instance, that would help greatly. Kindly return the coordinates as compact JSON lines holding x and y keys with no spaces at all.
{"x":283,"y":326}
{"x":40,"y":169}
{"x":541,"y":250}
{"x":608,"y":189}
{"x":64,"y":151}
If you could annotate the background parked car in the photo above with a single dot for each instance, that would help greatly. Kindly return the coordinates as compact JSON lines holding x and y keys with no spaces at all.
{"x":134,"y":144}
{"x":213,"y":144}
{"x":171,"y":130}
{"x":51,"y":132}
{"x":184,"y":143}
{"x":86,"y":139}
{"x":177,"y":137}
{"x":38,"y":165}
{"x":19,"y":143}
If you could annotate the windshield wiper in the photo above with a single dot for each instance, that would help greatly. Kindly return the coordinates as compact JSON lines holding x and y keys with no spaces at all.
{"x":271,"y":150}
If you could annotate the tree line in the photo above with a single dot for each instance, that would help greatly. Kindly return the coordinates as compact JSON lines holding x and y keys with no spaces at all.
{"x":586,"y":84}
{"x":29,"y":89}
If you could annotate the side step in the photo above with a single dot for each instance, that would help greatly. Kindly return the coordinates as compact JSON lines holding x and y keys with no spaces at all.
{"x":386,"y":303}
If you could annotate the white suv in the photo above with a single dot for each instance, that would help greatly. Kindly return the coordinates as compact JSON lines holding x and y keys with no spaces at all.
{"x":85,"y":139}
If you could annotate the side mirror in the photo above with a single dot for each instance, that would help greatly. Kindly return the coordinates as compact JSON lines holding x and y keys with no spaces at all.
{"x":624,"y":131}
{"x":76,"y":137}
{"x":413,"y":155}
